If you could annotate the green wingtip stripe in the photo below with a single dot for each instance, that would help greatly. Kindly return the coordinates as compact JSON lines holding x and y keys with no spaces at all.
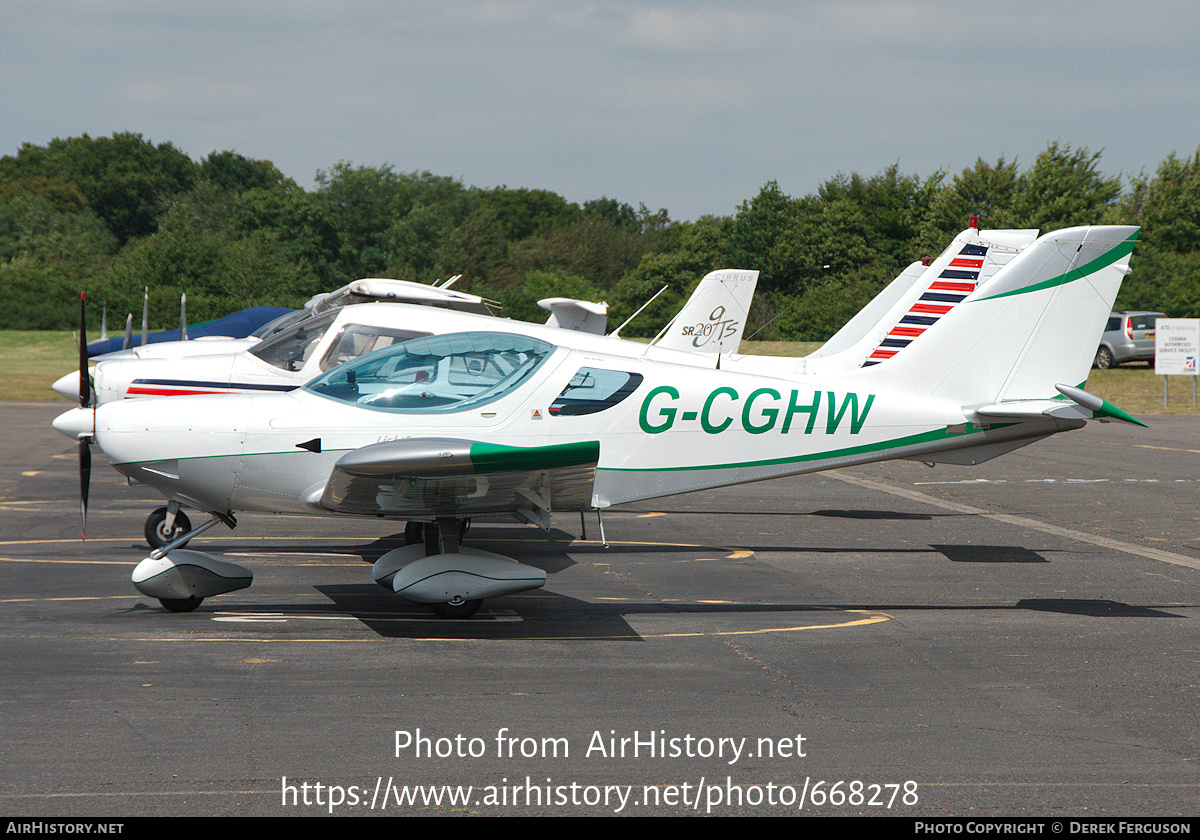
{"x":1106,"y":259}
{"x":1110,"y":410}
{"x":490,"y":457}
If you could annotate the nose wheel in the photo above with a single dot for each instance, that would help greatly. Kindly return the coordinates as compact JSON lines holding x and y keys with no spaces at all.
{"x":162,"y":528}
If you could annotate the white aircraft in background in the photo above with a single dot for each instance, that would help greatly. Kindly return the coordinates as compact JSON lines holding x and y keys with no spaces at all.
{"x":497,"y":422}
{"x":367,"y":290}
{"x":333,"y":332}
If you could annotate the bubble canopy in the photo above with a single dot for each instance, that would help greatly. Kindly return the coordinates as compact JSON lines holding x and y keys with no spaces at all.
{"x":436,"y":374}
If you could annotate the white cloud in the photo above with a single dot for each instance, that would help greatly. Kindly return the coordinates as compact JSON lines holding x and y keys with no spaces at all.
{"x":687,"y":105}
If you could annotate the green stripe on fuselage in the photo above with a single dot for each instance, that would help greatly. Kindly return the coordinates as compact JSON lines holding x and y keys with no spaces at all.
{"x":897,"y":443}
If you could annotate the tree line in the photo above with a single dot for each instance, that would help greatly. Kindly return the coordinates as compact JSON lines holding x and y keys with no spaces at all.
{"x":113,"y":215}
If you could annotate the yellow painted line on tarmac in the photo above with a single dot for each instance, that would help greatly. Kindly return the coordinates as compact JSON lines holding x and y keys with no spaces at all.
{"x":734,"y":553}
{"x":1164,"y":448}
{"x":74,"y":598}
{"x":859,"y":622}
{"x":68,"y":562}
{"x":65,"y":540}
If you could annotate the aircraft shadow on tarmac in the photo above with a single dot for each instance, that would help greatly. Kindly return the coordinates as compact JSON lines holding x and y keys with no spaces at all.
{"x":545,"y":614}
{"x":550,"y":616}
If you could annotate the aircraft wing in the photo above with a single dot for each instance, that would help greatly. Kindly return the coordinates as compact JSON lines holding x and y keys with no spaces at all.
{"x":424,"y":478}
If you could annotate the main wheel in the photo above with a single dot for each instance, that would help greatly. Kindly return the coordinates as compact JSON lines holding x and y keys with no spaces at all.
{"x":414,"y":532}
{"x":464,"y":610}
{"x":1104,"y":359}
{"x":181,"y":605}
{"x":156,"y":531}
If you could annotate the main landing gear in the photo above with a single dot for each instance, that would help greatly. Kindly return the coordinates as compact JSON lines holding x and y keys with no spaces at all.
{"x":434,"y":569}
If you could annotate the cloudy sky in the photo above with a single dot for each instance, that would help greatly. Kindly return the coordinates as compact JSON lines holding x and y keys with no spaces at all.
{"x":688,"y":106}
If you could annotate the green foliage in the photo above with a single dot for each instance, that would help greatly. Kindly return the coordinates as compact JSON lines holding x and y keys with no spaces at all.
{"x":679,"y":270}
{"x":123,"y":177}
{"x":32,"y":298}
{"x":751,"y":236}
{"x":609,"y":209}
{"x":591,"y":246}
{"x":1166,"y":206}
{"x":984,"y":191}
{"x":200,"y":251}
{"x":236,"y":173}
{"x":478,"y":250}
{"x":822,"y":309}
{"x":1167,"y":282}
{"x":523,"y":212}
{"x":1063,"y":189}
{"x":52,"y":246}
{"x":521,"y":304}
{"x":113,"y":215}
{"x":385,"y":222}
{"x":851,"y":226}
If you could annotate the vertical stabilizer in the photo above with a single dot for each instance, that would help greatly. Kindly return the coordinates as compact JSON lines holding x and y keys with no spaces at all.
{"x":1035,"y":324}
{"x":918,"y":299}
{"x":714,"y":318}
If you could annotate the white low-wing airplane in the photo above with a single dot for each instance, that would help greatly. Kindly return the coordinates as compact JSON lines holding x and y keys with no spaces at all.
{"x":443,"y":428}
{"x":337,"y":332}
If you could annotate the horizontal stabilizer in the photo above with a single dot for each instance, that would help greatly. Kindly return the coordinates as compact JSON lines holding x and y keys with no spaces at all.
{"x":571,"y":314}
{"x":1101,"y":409}
{"x":1079,"y":405}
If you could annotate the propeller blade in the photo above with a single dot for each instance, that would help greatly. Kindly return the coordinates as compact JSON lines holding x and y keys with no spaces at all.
{"x":128,"y":332}
{"x":85,"y":382}
{"x":85,"y":479}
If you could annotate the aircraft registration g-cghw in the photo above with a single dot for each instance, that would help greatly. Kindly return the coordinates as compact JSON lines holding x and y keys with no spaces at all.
{"x":983,"y":351}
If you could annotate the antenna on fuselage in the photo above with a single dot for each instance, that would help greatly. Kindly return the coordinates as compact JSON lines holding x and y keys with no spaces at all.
{"x":614,"y":333}
{"x":146,"y":317}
